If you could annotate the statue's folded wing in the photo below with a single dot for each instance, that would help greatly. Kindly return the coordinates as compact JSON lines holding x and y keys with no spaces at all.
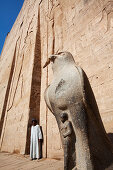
{"x":91,"y":105}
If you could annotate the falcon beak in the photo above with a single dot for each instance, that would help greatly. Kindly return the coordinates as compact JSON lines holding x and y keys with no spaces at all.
{"x":51,"y":58}
{"x":47,"y":63}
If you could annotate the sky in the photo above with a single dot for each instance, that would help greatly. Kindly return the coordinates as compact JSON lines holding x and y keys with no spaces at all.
{"x":9,"y":10}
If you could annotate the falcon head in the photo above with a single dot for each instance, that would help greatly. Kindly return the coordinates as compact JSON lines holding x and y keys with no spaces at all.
{"x":59,"y":58}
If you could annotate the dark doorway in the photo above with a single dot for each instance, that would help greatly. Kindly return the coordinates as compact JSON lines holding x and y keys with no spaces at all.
{"x":34,"y":104}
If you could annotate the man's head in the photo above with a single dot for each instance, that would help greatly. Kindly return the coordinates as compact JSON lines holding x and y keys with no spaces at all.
{"x":64,"y":117}
{"x":34,"y":122}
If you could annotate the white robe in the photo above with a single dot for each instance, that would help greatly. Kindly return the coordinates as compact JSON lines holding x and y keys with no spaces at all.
{"x":34,"y":146}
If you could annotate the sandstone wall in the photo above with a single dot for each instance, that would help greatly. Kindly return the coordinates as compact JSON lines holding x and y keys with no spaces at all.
{"x":83,"y":27}
{"x":17,"y":79}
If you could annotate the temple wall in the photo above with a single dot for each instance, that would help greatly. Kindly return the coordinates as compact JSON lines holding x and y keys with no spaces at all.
{"x":82,"y":27}
{"x":16,"y":70}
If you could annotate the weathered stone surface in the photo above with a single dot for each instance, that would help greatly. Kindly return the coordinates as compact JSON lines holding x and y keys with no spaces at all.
{"x":83,"y":27}
{"x":19,"y":62}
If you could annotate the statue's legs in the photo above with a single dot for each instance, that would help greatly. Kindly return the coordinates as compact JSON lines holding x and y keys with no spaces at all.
{"x":66,"y":154}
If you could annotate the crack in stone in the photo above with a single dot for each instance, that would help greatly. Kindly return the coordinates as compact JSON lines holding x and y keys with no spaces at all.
{"x":17,"y":84}
{"x":4,"y":114}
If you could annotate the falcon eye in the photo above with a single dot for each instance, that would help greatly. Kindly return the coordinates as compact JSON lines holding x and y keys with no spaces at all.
{"x":60,"y":53}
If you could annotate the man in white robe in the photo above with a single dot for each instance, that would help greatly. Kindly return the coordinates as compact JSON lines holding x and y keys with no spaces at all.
{"x":36,"y":135}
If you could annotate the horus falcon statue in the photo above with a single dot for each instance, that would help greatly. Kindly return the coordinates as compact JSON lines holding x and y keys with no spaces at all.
{"x":71,"y":93}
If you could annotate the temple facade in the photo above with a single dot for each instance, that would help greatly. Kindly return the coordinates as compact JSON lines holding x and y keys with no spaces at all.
{"x":42,"y":28}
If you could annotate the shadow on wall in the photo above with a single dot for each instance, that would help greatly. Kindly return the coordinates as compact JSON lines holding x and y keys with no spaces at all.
{"x":34,"y":104}
{"x":7,"y":92}
{"x":101,"y":148}
{"x":40,"y":145}
{"x":110,"y":135}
